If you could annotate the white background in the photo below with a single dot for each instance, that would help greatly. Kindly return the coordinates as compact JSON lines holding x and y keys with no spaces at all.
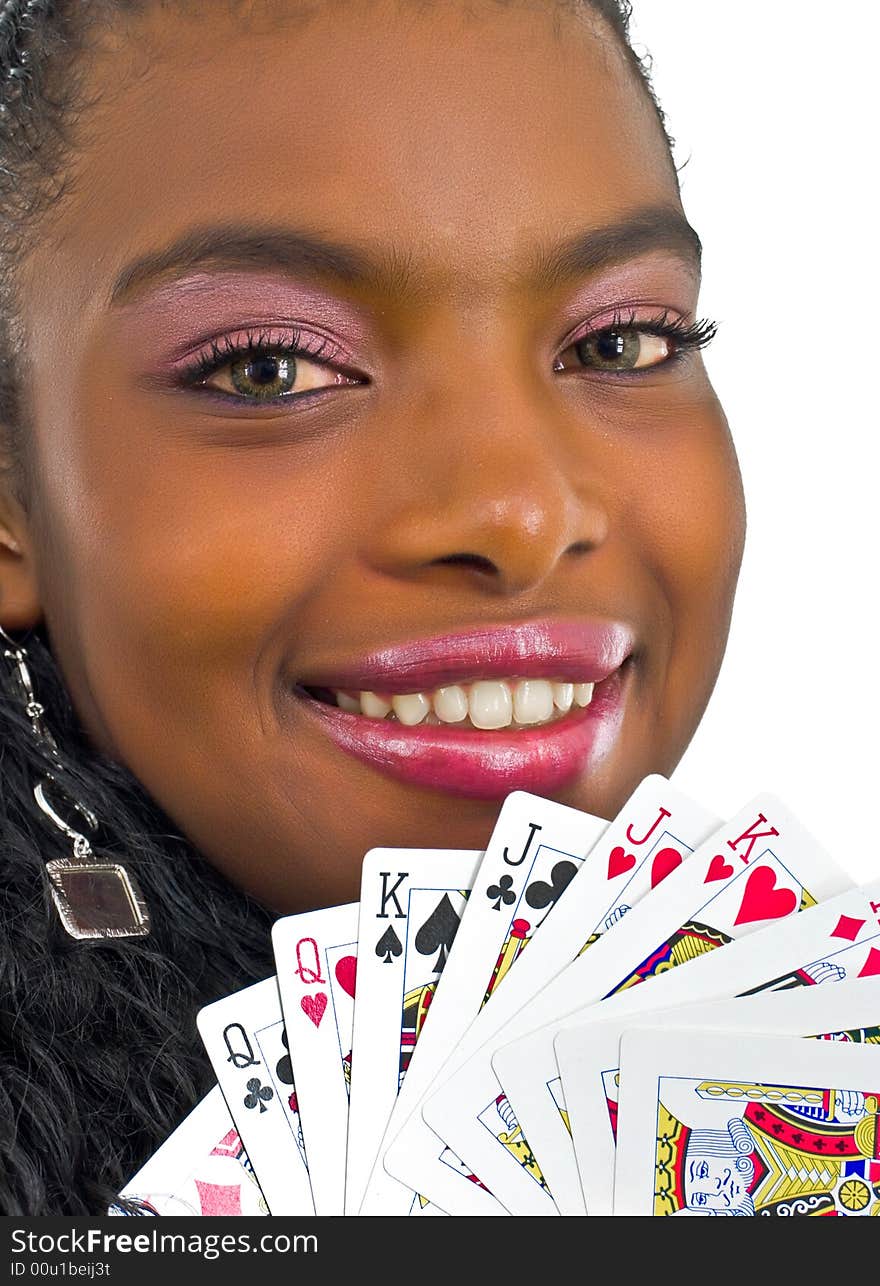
{"x":772,"y":104}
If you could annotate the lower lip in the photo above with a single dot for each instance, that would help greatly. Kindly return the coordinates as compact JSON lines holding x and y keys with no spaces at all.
{"x":480,"y":765}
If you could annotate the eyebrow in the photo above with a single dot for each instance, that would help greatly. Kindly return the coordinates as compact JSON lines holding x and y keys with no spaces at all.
{"x":658,"y":228}
{"x":292,"y":251}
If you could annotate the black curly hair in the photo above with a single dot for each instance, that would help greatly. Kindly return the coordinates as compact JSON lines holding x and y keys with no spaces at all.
{"x":99,"y":1054}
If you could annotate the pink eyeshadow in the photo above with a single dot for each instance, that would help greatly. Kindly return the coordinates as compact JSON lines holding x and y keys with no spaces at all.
{"x":183,"y":314}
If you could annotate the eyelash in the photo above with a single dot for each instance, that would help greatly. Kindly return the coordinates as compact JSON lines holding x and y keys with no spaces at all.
{"x":224,"y":351}
{"x":684,"y":337}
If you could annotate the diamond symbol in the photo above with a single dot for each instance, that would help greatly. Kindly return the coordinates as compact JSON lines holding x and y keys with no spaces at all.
{"x":871,"y":967}
{"x":849,"y":928}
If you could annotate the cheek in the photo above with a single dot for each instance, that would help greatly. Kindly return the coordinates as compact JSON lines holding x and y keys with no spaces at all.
{"x":692,"y":520}
{"x":187,"y":569}
{"x":702,"y":588}
{"x":689,"y":521}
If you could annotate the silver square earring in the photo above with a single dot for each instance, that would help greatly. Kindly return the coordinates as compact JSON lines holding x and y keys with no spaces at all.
{"x":94,"y":897}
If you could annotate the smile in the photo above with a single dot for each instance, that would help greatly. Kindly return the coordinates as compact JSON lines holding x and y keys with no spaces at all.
{"x":486,"y":705}
{"x":527,"y":707}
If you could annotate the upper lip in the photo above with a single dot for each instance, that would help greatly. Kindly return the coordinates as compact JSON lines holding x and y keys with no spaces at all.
{"x":577,"y":651}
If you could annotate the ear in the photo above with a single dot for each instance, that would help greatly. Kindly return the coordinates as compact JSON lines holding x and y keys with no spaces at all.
{"x":20,"y":606}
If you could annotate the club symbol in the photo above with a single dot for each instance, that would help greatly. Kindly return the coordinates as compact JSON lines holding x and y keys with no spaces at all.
{"x":259,"y":1094}
{"x":283,"y":1068}
{"x":503,"y":891}
{"x":541,"y":894}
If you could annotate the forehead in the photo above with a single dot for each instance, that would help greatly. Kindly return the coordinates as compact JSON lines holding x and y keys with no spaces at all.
{"x":451,"y":138}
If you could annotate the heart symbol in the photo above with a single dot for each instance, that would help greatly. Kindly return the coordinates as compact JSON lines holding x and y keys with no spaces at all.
{"x":762,"y":900}
{"x":346,"y":971}
{"x":664,"y":862}
{"x":314,"y":1006}
{"x":620,"y":862}
{"x":718,"y":869}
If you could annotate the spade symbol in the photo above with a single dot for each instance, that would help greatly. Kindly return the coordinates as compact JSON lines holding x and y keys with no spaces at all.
{"x":259,"y":1094}
{"x":541,"y":894}
{"x":283,"y":1069}
{"x":503,"y":891}
{"x":388,"y":945}
{"x":438,"y":931}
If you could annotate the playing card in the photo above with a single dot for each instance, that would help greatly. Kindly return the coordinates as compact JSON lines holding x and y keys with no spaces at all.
{"x":834,"y":940}
{"x":587,"y":1057}
{"x":316,"y":964}
{"x":535,"y":849}
{"x":722,"y":1124}
{"x":759,"y":867}
{"x":410,"y":906}
{"x":246,"y":1042}
{"x":201,"y":1169}
{"x":655,"y":830}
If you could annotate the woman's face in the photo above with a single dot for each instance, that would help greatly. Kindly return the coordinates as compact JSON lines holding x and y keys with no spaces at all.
{"x":426,"y":484}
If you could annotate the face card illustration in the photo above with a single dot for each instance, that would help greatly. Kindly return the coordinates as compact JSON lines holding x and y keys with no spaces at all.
{"x":523,"y":875}
{"x":247,"y":1044}
{"x":713,"y":1124}
{"x":828,"y":942}
{"x":316,"y":963}
{"x":202,"y":1169}
{"x":410,"y":906}
{"x":759,"y":868}
{"x":587,"y":1056}
{"x":655,"y":831}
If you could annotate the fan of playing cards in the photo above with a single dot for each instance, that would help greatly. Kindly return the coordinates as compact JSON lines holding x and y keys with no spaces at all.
{"x":473,"y":1037}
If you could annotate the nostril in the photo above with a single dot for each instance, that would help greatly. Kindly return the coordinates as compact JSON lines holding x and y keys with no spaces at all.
{"x":477,"y":561}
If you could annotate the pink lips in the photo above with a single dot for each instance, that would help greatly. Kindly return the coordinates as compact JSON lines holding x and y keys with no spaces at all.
{"x":484,"y":765}
{"x":578,"y":651}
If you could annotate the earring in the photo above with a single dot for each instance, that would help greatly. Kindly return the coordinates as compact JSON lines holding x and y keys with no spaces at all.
{"x":94,"y":898}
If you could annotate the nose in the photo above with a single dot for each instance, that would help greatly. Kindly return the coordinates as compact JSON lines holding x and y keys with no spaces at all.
{"x":491,"y":483}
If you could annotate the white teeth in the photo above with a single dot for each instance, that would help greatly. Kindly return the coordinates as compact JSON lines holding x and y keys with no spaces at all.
{"x":532,"y":701}
{"x":563,"y":696}
{"x":490,"y":704}
{"x":411,"y":708}
{"x":373,"y":706}
{"x":451,"y":704}
{"x":583,"y":693}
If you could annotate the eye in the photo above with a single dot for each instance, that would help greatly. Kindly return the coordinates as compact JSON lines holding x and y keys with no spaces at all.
{"x":267,"y":375}
{"x":622,"y":348}
{"x":260,"y":368}
{"x":626,"y":349}
{"x":628,"y":345}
